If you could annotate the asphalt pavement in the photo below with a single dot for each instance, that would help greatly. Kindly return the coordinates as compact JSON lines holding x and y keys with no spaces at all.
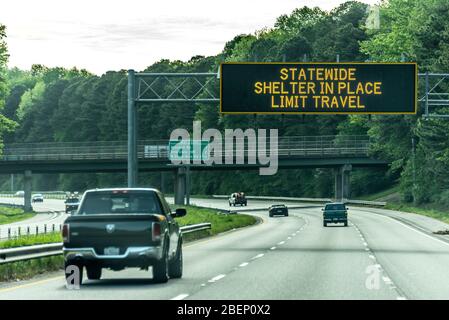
{"x":382,"y":254}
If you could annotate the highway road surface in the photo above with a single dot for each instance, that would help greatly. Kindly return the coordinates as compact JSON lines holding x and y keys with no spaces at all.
{"x":382,"y":254}
{"x":50,"y":212}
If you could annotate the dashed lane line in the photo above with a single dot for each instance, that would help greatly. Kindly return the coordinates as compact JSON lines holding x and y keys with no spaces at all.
{"x":215,"y":279}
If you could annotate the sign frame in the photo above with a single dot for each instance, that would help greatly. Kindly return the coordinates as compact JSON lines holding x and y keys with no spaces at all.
{"x":414,"y":112}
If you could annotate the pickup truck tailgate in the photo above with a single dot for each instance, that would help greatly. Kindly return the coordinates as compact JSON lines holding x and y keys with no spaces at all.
{"x":111,"y":230}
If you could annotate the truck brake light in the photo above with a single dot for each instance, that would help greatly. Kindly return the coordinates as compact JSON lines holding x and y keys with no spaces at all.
{"x":66,"y":233}
{"x":156,"y":231}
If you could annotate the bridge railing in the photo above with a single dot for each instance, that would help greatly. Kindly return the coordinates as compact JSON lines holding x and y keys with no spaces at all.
{"x":288,"y":146}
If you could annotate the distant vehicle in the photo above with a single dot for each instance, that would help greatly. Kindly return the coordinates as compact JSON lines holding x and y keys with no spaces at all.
{"x":278,"y":209}
{"x":335,"y":213}
{"x":123,"y":228}
{"x":38,"y":197}
{"x":20,"y":194}
{"x":237,"y":198}
{"x":71,"y":204}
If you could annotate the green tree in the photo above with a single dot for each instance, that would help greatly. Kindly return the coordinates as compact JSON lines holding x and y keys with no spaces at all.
{"x":6,"y":125}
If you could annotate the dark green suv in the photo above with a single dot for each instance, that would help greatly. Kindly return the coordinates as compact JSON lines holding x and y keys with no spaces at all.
{"x":335,"y":212}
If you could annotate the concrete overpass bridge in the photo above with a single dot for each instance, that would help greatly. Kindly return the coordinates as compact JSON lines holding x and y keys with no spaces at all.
{"x":341,"y":153}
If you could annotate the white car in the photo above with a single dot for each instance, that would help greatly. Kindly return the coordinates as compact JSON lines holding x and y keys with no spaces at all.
{"x":37,"y":198}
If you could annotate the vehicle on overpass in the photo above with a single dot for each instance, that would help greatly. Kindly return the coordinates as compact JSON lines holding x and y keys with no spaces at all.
{"x":278,"y":209}
{"x":123,"y":228}
{"x":238,"y":198}
{"x":19,"y":194}
{"x":335,"y":212}
{"x":38,"y":197}
{"x":71,"y":204}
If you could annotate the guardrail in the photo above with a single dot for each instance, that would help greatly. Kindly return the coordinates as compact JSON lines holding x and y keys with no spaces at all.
{"x":288,"y":146}
{"x":8,"y":233}
{"x":59,"y":196}
{"x":318,"y":200}
{"x":12,"y":205}
{"x":52,"y":249}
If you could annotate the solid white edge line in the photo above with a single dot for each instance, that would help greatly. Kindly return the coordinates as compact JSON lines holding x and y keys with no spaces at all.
{"x":181,"y":296}
{"x":416,"y":230}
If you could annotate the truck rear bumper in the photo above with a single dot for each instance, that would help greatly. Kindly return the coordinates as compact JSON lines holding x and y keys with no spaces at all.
{"x":133,"y":256}
{"x":335,"y":220}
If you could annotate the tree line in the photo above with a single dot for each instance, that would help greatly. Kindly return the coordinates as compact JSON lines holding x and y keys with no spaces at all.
{"x":56,"y":104}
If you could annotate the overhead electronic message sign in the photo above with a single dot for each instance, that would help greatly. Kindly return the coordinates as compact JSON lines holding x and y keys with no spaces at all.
{"x":318,"y":88}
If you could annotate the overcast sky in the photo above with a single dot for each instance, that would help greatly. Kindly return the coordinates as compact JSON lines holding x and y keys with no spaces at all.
{"x":102,"y":35}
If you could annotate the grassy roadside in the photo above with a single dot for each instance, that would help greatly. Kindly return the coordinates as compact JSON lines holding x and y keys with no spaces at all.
{"x":11,"y":214}
{"x":220,"y":222}
{"x":30,"y":268}
{"x":432,"y":213}
{"x":27,"y":269}
{"x":31,"y":240}
{"x":378,"y":196}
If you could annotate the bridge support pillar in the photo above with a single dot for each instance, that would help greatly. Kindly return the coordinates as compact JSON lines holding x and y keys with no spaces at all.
{"x":342,"y":182}
{"x":346,"y":182}
{"x":180,"y":186}
{"x":338,"y":185}
{"x":27,"y":181}
{"x":163,"y":182}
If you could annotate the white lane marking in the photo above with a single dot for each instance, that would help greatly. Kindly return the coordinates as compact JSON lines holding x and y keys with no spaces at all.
{"x":401,"y":298}
{"x":289,"y":238}
{"x":260,"y":255}
{"x":182,"y":296}
{"x":203,"y":284}
{"x":273,"y":248}
{"x":244,"y":264}
{"x":366,"y":249}
{"x":365,"y":244}
{"x":387,"y":280}
{"x":417,"y":231}
{"x":282,"y":242}
{"x":372,"y":257}
{"x":220,"y":276}
{"x":413,"y":229}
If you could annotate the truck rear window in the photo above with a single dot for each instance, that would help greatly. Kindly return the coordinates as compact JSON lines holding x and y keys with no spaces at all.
{"x":335,"y":207}
{"x":120,"y":202}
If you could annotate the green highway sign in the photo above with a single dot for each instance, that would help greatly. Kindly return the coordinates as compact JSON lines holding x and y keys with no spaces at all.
{"x":188,"y":150}
{"x":318,"y":88}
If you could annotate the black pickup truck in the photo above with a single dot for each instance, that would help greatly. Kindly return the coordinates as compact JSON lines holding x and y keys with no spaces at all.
{"x":123,"y":228}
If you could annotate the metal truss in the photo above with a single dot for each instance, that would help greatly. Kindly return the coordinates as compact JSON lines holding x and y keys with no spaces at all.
{"x":436,"y":94}
{"x":176,"y":87}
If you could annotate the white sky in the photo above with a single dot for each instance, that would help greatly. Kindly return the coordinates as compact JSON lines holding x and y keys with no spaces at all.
{"x":102,"y":35}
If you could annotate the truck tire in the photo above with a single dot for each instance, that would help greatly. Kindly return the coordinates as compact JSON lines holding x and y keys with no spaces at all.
{"x":68,"y":276}
{"x":346,"y":223}
{"x":175,"y":266}
{"x":93,"y":272}
{"x":324,"y":224}
{"x":160,"y":268}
